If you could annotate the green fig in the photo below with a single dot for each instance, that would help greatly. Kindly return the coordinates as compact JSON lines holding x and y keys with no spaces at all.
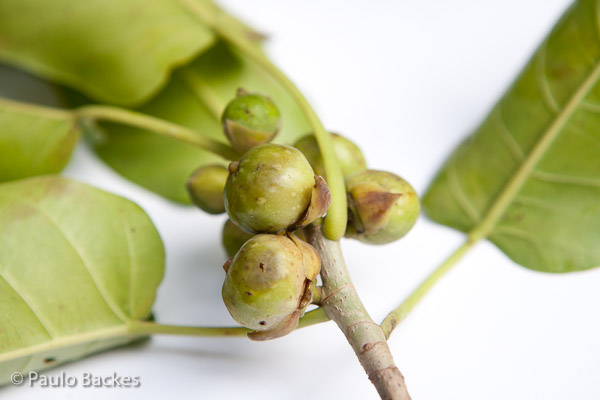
{"x":268,"y":283}
{"x":205,"y":187}
{"x":348,"y":154}
{"x":233,"y":238}
{"x":249,"y":120}
{"x":273,"y":188}
{"x":382,"y":207}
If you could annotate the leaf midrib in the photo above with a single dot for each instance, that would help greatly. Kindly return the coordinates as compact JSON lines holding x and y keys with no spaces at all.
{"x":487,"y":224}
{"x":121,"y":330}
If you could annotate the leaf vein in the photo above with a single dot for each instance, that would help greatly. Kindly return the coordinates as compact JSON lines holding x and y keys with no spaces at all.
{"x":19,"y":292}
{"x":507,"y":136}
{"x":588,"y":106}
{"x":566,"y":179}
{"x":508,"y":231}
{"x":581,"y":250}
{"x":537,"y":202}
{"x":131,"y":266}
{"x":458,"y":193}
{"x":542,"y":79}
{"x":71,"y":243}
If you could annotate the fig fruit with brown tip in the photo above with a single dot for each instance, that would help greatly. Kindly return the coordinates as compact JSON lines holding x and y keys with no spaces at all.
{"x":268,"y":284}
{"x":272,"y":189}
{"x":249,"y":120}
{"x":382,"y":207}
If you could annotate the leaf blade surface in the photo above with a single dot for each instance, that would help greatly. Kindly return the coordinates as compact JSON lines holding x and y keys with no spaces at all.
{"x":76,"y":266}
{"x":527,"y":178}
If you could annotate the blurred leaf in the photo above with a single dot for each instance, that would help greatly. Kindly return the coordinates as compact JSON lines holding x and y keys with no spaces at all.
{"x":529,"y":177}
{"x":194,"y":97}
{"x":123,"y":52}
{"x":76,"y":266}
{"x":119,"y":52}
{"x":34,"y":140}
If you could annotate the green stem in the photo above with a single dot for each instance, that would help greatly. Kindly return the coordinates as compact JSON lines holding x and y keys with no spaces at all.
{"x":151,"y":328}
{"x":127,"y":117}
{"x":402,"y":311}
{"x":313,"y":317}
{"x":156,"y":125}
{"x":334,"y":225}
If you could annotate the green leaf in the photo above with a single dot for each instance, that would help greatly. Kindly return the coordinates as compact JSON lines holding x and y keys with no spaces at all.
{"x":77,"y":265}
{"x":34,"y":140}
{"x":119,"y":52}
{"x":194,"y":97}
{"x":529,"y":177}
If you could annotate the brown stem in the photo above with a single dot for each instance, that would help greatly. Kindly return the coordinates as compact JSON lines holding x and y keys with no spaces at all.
{"x":342,"y":305}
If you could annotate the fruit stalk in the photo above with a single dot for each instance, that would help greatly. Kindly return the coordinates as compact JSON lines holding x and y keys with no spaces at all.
{"x":165,"y":128}
{"x":342,"y":304}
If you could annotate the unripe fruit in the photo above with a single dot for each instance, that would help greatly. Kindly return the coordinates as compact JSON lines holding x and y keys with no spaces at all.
{"x":269,"y":189}
{"x":348,"y":154}
{"x":233,"y":238}
{"x":267,"y":282}
{"x":249,"y":120}
{"x":205,"y":187}
{"x":382,"y":207}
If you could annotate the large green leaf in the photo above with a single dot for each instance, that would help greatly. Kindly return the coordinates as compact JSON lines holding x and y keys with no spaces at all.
{"x":76,"y":266}
{"x":34,"y":140}
{"x":119,"y":51}
{"x":194,"y":97}
{"x":529,"y":177}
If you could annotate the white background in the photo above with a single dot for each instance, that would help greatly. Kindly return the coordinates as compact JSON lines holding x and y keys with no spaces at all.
{"x":407,"y":80}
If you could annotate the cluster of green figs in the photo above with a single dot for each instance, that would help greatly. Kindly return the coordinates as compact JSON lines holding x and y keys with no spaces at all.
{"x":270,"y":195}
